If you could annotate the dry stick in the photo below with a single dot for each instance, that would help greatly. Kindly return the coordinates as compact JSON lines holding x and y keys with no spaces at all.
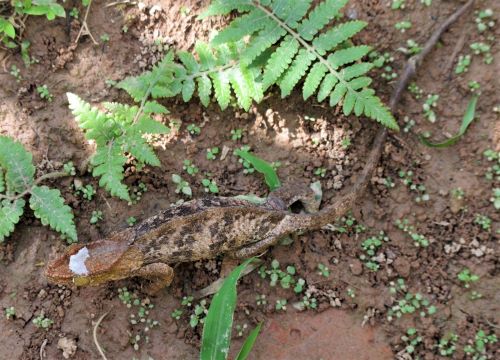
{"x":85,"y":27}
{"x":458,"y":47}
{"x":94,"y":334}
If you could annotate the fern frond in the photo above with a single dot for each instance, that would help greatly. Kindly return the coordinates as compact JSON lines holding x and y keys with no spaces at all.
{"x":325,"y":60}
{"x":48,"y":206}
{"x":10,"y":213}
{"x":109,"y":163}
{"x":17,"y":163}
{"x":138,"y":148}
{"x":2,"y":181}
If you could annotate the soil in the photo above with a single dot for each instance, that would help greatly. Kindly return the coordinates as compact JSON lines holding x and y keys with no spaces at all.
{"x":277,"y":130}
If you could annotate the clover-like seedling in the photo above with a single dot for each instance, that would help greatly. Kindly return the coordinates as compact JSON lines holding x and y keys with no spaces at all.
{"x":321,"y":171}
{"x":403,"y":26}
{"x":458,"y":193}
{"x":398,"y":4}
{"x":240,"y":329}
{"x":299,"y":286}
{"x":236,"y":134}
{"x":194,"y":129}
{"x":351,"y":293}
{"x":414,"y":89}
{"x":389,"y":182}
{"x":429,"y":106}
{"x":96,"y":217}
{"x":480,"y":344}
{"x":323,"y":270}
{"x":418,"y":239}
{"x":176,"y":314}
{"x":187,"y":301}
{"x":484,"y":20}
{"x":481,"y":48}
{"x":412,"y":339}
{"x":182,"y":185}
{"x":131,"y":221}
{"x":408,"y":124}
{"x":189,"y":167}
{"x":308,"y":302}
{"x":281,"y":304}
{"x":199,"y":314}
{"x":474,"y":86}
{"x":42,"y":322}
{"x":448,"y":344}
{"x":261,"y":300}
{"x":467,"y":278}
{"x":463,"y":64}
{"x":10,"y":312}
{"x":426,"y":2}
{"x":346,"y":142}
{"x":105,"y":38}
{"x":412,"y":47}
{"x":44,"y":93}
{"x":483,"y":221}
{"x":495,"y":198}
{"x":370,"y":246}
{"x":212,"y":153}
{"x":210,"y":186}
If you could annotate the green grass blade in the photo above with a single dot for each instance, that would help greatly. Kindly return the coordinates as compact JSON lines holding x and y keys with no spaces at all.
{"x":466,"y":121}
{"x":216,"y":337}
{"x":248,"y":344}
{"x":263,"y":167}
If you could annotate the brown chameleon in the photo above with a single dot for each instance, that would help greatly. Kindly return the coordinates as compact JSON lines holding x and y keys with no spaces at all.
{"x":201,"y":229}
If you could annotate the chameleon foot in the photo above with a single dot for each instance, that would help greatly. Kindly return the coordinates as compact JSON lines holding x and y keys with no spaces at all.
{"x":160,"y":275}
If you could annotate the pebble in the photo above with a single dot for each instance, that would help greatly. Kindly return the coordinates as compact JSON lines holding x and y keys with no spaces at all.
{"x":356,"y":267}
{"x":402,"y":266}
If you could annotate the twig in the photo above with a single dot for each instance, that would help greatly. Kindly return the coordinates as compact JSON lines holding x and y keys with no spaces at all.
{"x":94,"y":334}
{"x":85,"y":27}
{"x":42,"y":349}
{"x":458,"y":47}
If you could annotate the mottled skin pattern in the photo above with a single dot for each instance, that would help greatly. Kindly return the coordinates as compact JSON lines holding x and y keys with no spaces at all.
{"x":204,"y":229}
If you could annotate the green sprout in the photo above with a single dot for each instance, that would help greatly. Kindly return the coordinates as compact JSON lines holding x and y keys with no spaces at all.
{"x":193,"y":129}
{"x":42,"y":322}
{"x":131,"y":221}
{"x":415,"y":90}
{"x":321,"y":171}
{"x":236,"y":134}
{"x":418,"y":239}
{"x":370,"y":246}
{"x":44,"y":93}
{"x":210,"y":186}
{"x":261,"y":300}
{"x":96,"y":217}
{"x":398,"y":4}
{"x":484,"y":20}
{"x":412,"y":339}
{"x":176,"y":314}
{"x":199,"y":313}
{"x":323,"y":270}
{"x":10,"y":312}
{"x":182,"y":185}
{"x":481,"y":48}
{"x":428,"y":107}
{"x":212,"y":153}
{"x":189,"y":167}
{"x":463,"y":64}
{"x":14,"y":71}
{"x":448,"y":344}
{"x":483,"y":221}
{"x":403,"y":26}
{"x":467,"y":278}
{"x":281,"y":304}
{"x":478,"y":347}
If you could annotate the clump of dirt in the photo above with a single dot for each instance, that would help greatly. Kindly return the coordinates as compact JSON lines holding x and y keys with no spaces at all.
{"x":312,"y":141}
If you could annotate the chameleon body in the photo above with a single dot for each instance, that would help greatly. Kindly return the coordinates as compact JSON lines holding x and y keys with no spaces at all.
{"x":201,"y":229}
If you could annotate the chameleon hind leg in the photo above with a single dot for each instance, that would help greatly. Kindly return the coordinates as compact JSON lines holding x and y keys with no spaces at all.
{"x":160,"y":275}
{"x":255,"y":249}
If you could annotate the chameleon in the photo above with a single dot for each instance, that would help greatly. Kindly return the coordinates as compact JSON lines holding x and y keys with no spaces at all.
{"x":202,"y":229}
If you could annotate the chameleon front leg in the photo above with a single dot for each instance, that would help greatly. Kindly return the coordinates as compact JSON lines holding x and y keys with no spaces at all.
{"x":160,"y":275}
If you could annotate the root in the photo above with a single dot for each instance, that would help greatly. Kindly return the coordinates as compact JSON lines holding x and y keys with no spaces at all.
{"x":94,"y":335}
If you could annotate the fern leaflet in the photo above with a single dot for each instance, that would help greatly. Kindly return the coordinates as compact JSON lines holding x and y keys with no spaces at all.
{"x":10,"y":213}
{"x":326,"y":61}
{"x":17,"y":164}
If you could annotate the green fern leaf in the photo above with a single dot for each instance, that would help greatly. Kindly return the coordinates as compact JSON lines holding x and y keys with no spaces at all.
{"x":241,"y":81}
{"x":207,"y":59}
{"x":373,"y":108}
{"x":188,"y":89}
{"x":337,"y":35}
{"x":108,"y":163}
{"x":319,"y":17}
{"x":224,"y":7}
{"x":155,"y":107}
{"x":360,"y":82}
{"x":349,"y":101}
{"x":355,"y":70}
{"x":139,"y":149}
{"x":241,"y":27}
{"x":349,"y":55}
{"x":264,"y":40}
{"x":327,"y":86}
{"x":279,"y":61}
{"x":222,"y":89}
{"x":188,"y":61}
{"x":10,"y":214}
{"x":146,"y":125}
{"x":48,"y":205}
{"x":337,"y":94}
{"x":295,"y":72}
{"x":17,"y":164}
{"x":291,"y":11}
{"x":313,"y":79}
{"x":204,"y":89}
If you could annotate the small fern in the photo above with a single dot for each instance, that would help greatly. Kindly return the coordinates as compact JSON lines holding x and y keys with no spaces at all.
{"x":119,"y":130}
{"x":17,"y":180}
{"x":217,"y":72}
{"x":327,"y":62}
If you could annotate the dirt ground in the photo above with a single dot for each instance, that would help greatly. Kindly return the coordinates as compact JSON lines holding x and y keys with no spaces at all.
{"x":351,"y":321}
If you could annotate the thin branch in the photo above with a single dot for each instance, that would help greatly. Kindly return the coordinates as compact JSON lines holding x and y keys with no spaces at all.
{"x":94,"y":335}
{"x":52,"y":175}
{"x":85,"y":27}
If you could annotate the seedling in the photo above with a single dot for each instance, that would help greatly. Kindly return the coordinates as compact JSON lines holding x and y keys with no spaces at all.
{"x":261,"y":300}
{"x":69,"y":168}
{"x":412,"y":47}
{"x":281,"y":304}
{"x":299,"y":286}
{"x":463,"y":64}
{"x":481,"y":48}
{"x":194,"y":129}
{"x":410,"y":304}
{"x":493,"y":172}
{"x":347,"y":223}
{"x":96,"y":217}
{"x":370,"y":246}
{"x":351,"y":293}
{"x":383,"y":61}
{"x":458,"y":193}
{"x":14,"y":71}
{"x":199,"y":314}
{"x":136,"y":193}
{"x":210,"y":186}
{"x":240,"y":329}
{"x":415,"y":90}
{"x":479,"y":346}
{"x":467,"y":278}
{"x":187,"y":301}
{"x":74,"y":13}
{"x":398,"y":286}
{"x":189,"y":167}
{"x":408,"y":124}
{"x":398,"y":4}
{"x":426,"y":2}
{"x":323,"y":270}
{"x":403,"y":26}
{"x":44,"y":93}
{"x":412,"y":340}
{"x":474,"y":86}
{"x":495,"y":199}
{"x":389,"y":182}
{"x":484,"y":20}
{"x":182,"y":185}
{"x":275,"y":165}
{"x":321,"y":171}
{"x":10,"y":312}
{"x":429,"y":106}
{"x":418,"y":239}
{"x":236,"y":134}
{"x":105,"y":38}
{"x":475,"y":295}
{"x":176,"y":314}
{"x":483,"y":221}
{"x":448,"y":344}
{"x":346,"y":142}
{"x":406,"y":177}
{"x":87,"y":191}
{"x":42,"y":322}
{"x":307,"y":302}
{"x":212,"y":153}
{"x":285,"y":278}
{"x":131,"y":221}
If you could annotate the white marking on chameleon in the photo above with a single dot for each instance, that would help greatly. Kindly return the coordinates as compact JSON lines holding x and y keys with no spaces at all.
{"x":77,"y":262}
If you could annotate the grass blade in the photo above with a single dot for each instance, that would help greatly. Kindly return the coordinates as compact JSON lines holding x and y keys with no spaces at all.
{"x":263,"y":167}
{"x":466,"y":121}
{"x":248,"y":344}
{"x":216,"y":337}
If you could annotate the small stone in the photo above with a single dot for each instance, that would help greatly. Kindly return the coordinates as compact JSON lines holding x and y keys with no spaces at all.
{"x":356,"y":267}
{"x":42,"y":294}
{"x":402,"y":266}
{"x":68,"y":347}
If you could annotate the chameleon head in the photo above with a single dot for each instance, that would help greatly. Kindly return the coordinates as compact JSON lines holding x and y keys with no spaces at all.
{"x":94,"y":263}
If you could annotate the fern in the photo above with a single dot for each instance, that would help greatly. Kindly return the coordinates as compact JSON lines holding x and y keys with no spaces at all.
{"x":325,"y":60}
{"x":16,"y":181}
{"x":120,"y":128}
{"x":217,"y":73}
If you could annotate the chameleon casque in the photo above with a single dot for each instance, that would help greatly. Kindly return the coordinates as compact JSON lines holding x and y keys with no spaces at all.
{"x":201,"y":229}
